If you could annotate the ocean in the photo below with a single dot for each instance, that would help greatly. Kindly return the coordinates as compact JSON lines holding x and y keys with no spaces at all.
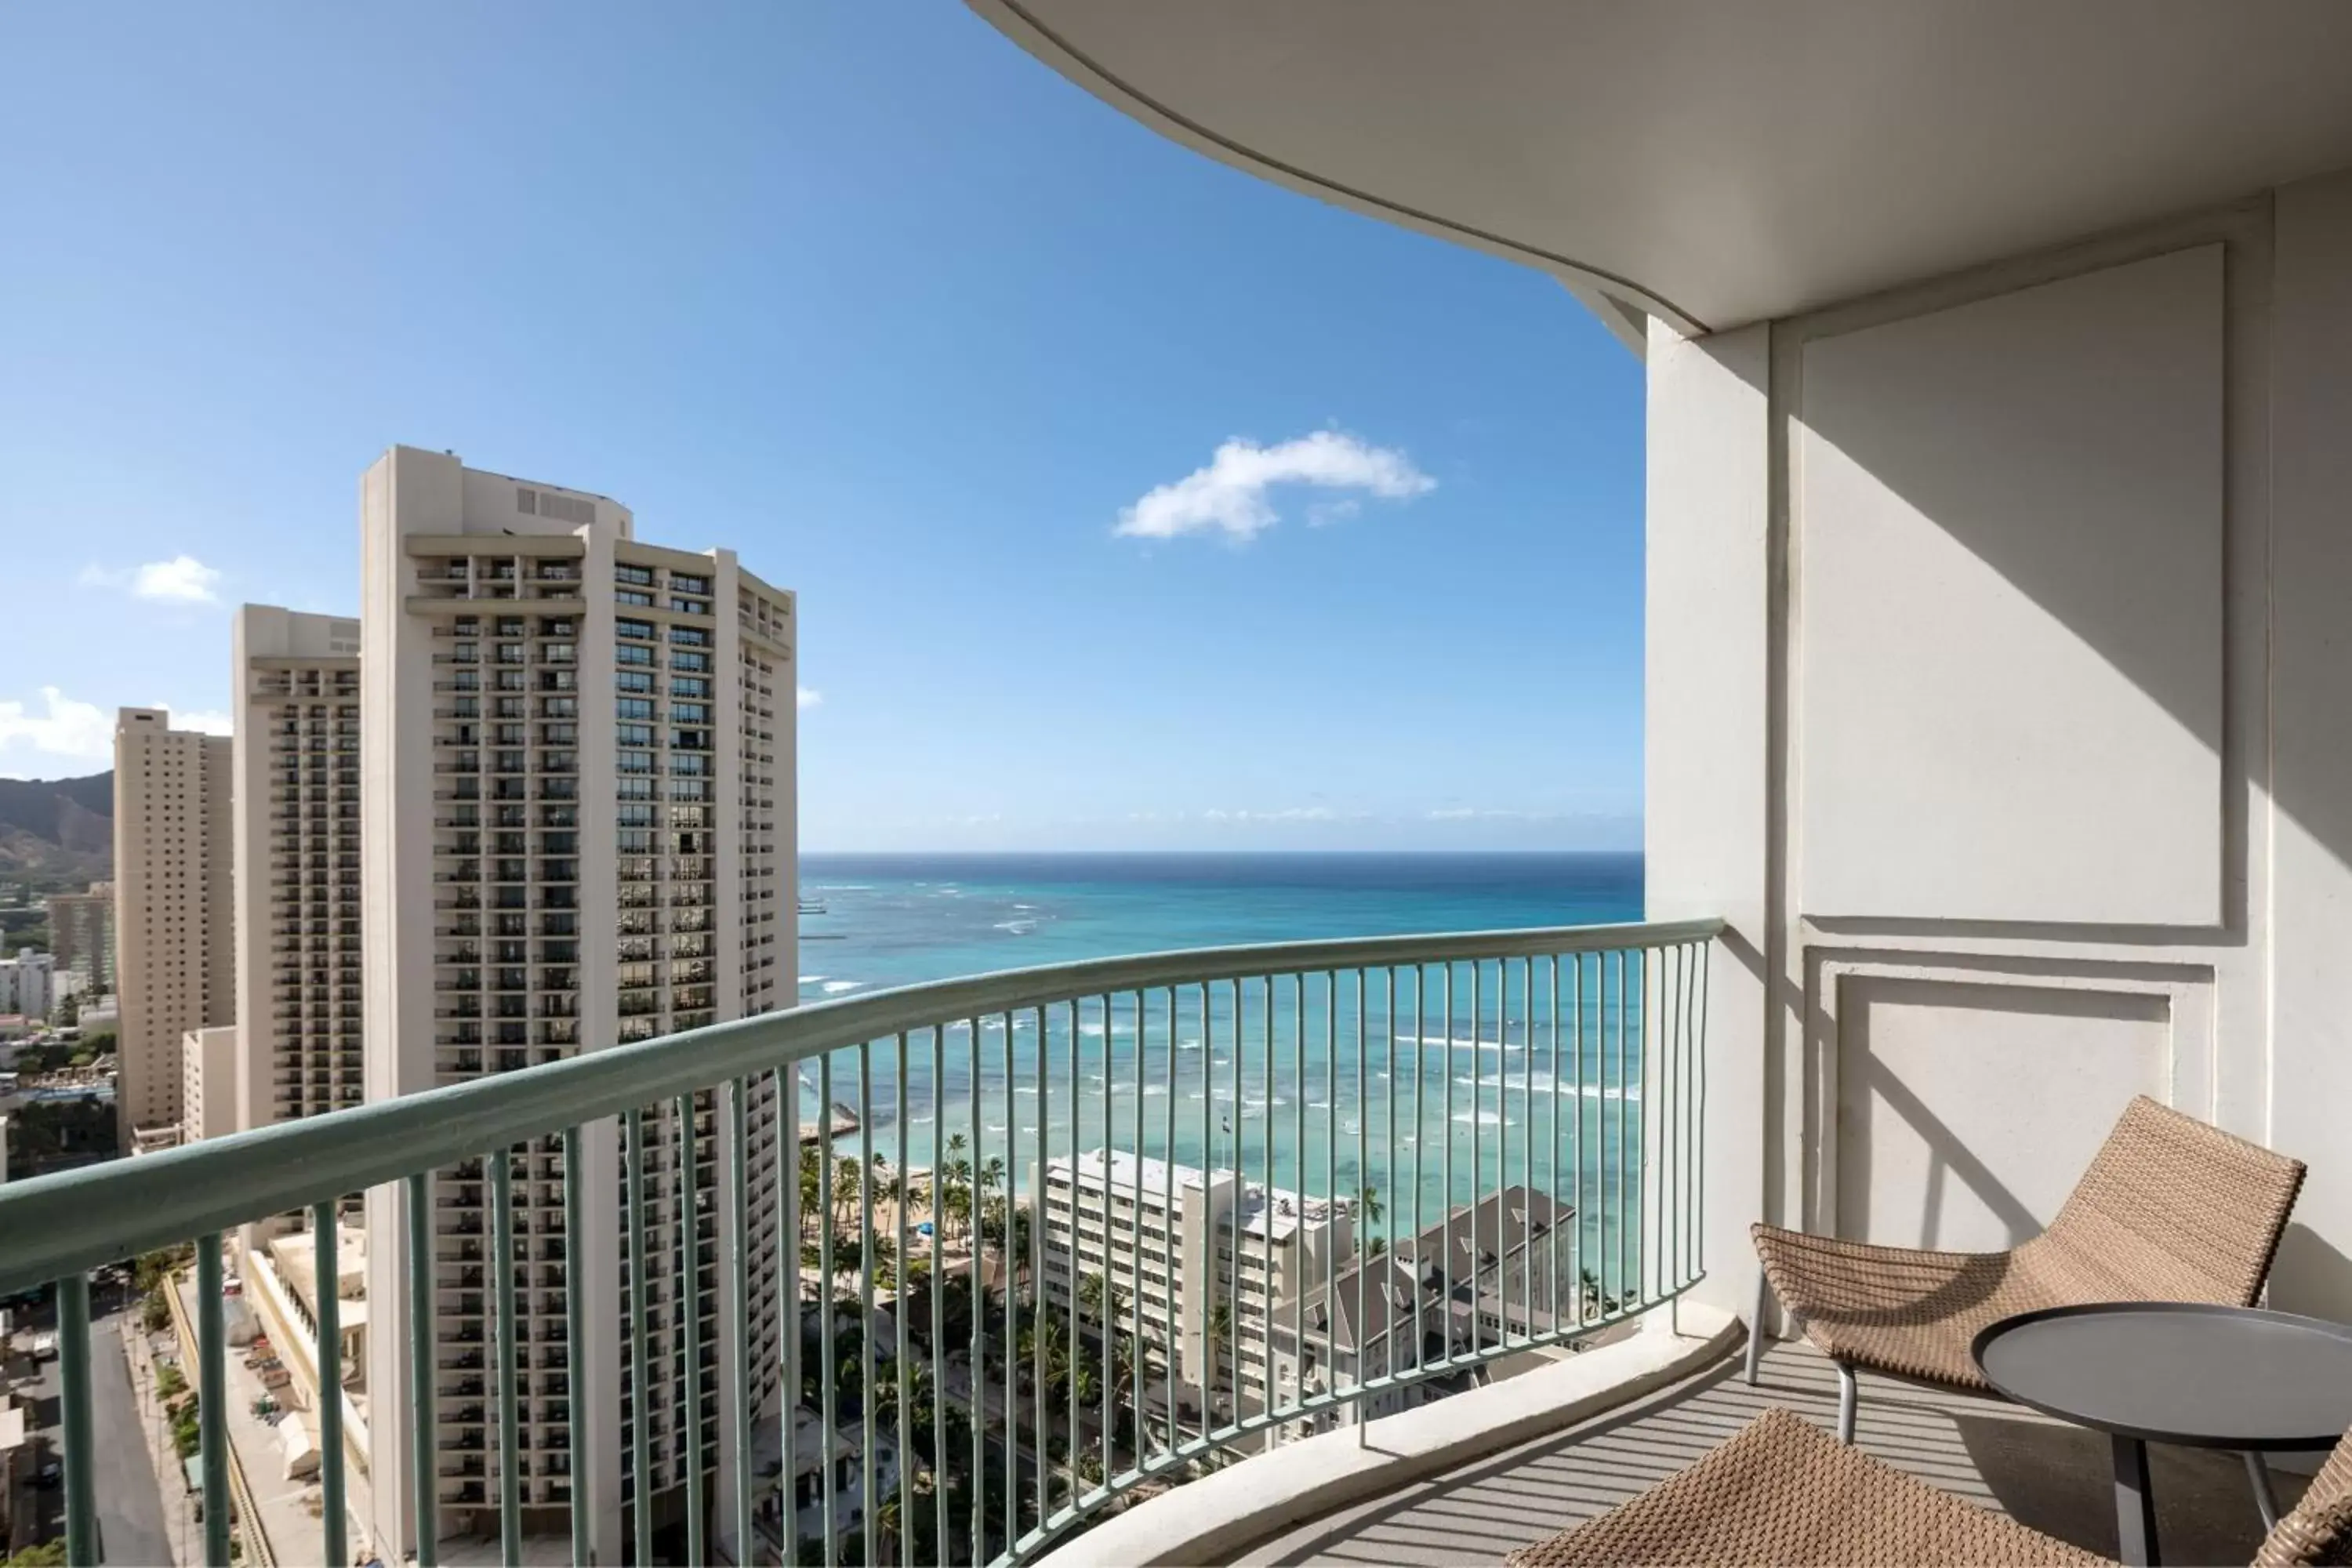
{"x":1472,"y":1090}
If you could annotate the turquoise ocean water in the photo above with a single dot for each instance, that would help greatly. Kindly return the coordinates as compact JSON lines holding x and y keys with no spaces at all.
{"x":1444,"y":1091}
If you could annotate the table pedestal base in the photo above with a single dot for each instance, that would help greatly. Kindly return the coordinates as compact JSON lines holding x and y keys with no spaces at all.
{"x":2135,"y":1503}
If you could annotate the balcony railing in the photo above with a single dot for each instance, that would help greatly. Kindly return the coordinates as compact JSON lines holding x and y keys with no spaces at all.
{"x":1151,"y":1212}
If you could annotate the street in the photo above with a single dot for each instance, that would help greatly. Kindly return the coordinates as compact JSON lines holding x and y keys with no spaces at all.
{"x":130,"y":1508}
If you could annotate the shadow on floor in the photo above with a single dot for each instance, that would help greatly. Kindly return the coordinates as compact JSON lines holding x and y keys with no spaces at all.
{"x":2053,"y":1477}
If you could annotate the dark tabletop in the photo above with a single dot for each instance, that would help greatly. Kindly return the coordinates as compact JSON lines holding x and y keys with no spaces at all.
{"x":2220,"y":1377}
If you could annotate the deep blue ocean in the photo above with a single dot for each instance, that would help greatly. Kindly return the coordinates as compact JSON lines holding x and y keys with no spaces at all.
{"x":1480,"y":1084}
{"x":894,"y":919}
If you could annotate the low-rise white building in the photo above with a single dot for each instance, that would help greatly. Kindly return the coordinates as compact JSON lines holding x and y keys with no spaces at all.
{"x":31,"y":984}
{"x":1176,"y":1242}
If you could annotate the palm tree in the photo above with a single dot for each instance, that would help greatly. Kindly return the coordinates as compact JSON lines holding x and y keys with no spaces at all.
{"x":1376,"y":1247}
{"x":992,"y":1175}
{"x":1370,"y":1199}
{"x":809,"y":1186}
{"x":1220,"y":1328}
{"x":846,"y":1185}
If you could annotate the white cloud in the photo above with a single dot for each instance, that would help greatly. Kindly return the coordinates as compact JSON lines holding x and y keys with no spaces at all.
{"x":209,"y":722}
{"x":63,"y":729}
{"x":1229,"y":496}
{"x":182,"y":579}
{"x":1286,"y":814}
{"x":804,"y":698}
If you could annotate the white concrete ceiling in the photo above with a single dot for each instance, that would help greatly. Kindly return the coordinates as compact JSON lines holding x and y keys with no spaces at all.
{"x":1721,"y":161}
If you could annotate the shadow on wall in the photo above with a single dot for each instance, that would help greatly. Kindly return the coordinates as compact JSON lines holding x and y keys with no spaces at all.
{"x":2209,"y":614}
{"x":1874,"y":1070}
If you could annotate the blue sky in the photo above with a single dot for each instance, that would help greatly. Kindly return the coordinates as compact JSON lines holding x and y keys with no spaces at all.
{"x":869,"y":294}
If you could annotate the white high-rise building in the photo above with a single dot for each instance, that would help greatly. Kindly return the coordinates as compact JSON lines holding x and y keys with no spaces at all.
{"x":297,"y":771}
{"x":174,"y":948}
{"x":32,"y":984}
{"x":577,"y":814}
{"x":1148,"y":1226}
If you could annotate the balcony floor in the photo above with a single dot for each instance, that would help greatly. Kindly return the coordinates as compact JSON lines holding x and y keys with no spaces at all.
{"x":2050,"y":1475}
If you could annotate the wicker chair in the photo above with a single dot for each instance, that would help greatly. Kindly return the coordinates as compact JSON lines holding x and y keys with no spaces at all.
{"x":2171,"y":1210}
{"x":1782,"y":1492}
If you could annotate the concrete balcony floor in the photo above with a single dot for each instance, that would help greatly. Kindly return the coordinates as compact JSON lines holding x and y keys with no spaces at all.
{"x":2044,"y":1472}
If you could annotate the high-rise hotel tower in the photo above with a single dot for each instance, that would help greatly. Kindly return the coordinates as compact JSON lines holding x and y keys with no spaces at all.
{"x":577,"y":810}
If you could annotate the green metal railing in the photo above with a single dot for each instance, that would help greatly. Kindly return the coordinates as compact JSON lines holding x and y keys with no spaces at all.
{"x":1096,"y":1226}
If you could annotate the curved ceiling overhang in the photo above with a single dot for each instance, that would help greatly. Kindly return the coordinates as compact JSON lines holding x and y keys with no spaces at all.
{"x":1714,"y":163}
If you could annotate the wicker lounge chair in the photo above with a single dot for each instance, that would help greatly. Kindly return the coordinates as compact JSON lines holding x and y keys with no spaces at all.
{"x":2171,"y":1210}
{"x":1782,"y":1492}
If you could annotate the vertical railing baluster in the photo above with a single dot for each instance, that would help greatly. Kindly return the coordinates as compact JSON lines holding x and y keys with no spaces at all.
{"x":1613,"y":1197}
{"x":509,"y":1443}
{"x":738,"y":1305}
{"x":1298,"y":1184}
{"x":904,"y":1486}
{"x":976,"y":1384}
{"x":1037,"y":1310}
{"x":426,"y":1503}
{"x":869,"y":1502}
{"x":1137,"y":1419}
{"x":1670,"y":1259}
{"x":1552,"y":1181}
{"x":1527,"y":1155}
{"x":640,"y":1351}
{"x":937,"y":1254}
{"x":1107,"y":1320}
{"x":687,"y":1228}
{"x":1206,"y":1284}
{"x":1172,"y":1330}
{"x":1012,"y":1347}
{"x":1446,"y":1205}
{"x":1698,"y":1111}
{"x":1388,"y":1180}
{"x":1071,"y":1356}
{"x":326,"y":1266}
{"x":575,"y":1351}
{"x":1477,"y":1255}
{"x":1420,"y":1172}
{"x":1265,"y":1148}
{"x":786,"y":1084}
{"x":1239,"y":1189}
{"x":1629,"y":1219}
{"x":79,"y":1412}
{"x":1331,"y":1169}
{"x":1692,"y":1156}
{"x":1608,"y":1174}
{"x":829,"y":1429}
{"x":212,"y":1398}
{"x":1576,"y":1152}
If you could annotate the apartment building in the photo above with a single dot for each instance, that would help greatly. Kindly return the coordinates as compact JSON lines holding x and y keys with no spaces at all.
{"x":1178,"y":1242}
{"x":576,"y":750}
{"x":296,"y":764}
{"x":175,"y":947}
{"x":33,"y":985}
{"x":208,"y":1074}
{"x":82,"y":935}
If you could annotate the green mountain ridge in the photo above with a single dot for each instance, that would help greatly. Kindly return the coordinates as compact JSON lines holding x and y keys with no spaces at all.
{"x":58,"y":833}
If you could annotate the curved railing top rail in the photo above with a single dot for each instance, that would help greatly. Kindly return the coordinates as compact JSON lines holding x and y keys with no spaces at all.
{"x":76,"y":1220}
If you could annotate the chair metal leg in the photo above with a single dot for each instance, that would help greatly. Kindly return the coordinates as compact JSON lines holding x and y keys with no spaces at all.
{"x":1756,"y":1325}
{"x":2265,"y":1498}
{"x":1848,"y":1395}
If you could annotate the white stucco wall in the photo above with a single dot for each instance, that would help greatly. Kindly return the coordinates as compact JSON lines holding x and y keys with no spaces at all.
{"x":1997,"y":666}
